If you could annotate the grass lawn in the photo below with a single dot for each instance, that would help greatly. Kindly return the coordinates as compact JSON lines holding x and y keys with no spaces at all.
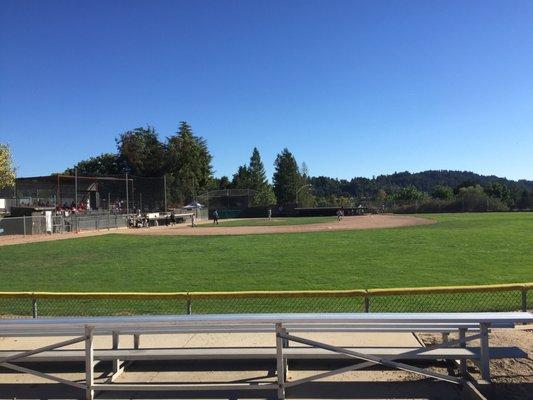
{"x":460,"y":249}
{"x":273,"y":222}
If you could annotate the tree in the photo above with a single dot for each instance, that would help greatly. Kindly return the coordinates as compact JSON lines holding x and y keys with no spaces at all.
{"x":525,"y":200}
{"x":189,"y":163}
{"x":442,"y":192}
{"x":264,"y":197}
{"x":141,"y":152}
{"x":242,"y":178}
{"x":465,"y":184}
{"x":104,"y":164}
{"x":500,"y":191}
{"x":256,"y":169}
{"x":223,"y":183}
{"x":305,"y":196}
{"x":381,"y":195}
{"x":7,"y":170}
{"x":286,"y":177}
{"x":257,"y":181}
{"x":474,"y":198}
{"x":409,"y":193}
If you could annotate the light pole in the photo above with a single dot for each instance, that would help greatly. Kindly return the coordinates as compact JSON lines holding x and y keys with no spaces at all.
{"x":308,"y":185}
{"x":76,"y":187}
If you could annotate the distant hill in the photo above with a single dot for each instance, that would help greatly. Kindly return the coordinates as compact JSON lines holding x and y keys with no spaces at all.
{"x":424,"y":181}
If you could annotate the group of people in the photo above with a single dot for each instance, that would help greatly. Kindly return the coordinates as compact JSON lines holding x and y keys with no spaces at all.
{"x":141,"y":220}
{"x":38,"y":203}
{"x":138,"y":220}
{"x":117,"y":206}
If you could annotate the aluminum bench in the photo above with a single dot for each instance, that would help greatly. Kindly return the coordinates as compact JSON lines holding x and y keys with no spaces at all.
{"x":260,"y":353}
{"x":281,"y":324}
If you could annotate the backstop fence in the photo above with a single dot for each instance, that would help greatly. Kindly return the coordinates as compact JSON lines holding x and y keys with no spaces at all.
{"x":230,"y":203}
{"x":508,"y":297}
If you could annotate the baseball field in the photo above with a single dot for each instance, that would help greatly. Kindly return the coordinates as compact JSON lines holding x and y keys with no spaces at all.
{"x":459,"y":249}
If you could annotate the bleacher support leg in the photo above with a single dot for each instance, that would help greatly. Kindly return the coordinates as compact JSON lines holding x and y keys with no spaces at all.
{"x":462,"y":362}
{"x":285,"y":361}
{"x":484,"y":360}
{"x":118,"y":366}
{"x":280,"y":362}
{"x":89,"y":363}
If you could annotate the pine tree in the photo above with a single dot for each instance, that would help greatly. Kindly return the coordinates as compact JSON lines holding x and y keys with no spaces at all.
{"x":258,"y":180}
{"x":241,"y":179}
{"x":286,"y":178}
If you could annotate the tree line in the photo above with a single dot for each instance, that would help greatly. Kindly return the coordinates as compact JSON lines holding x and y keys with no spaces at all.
{"x":184,"y":159}
{"x":433,"y":190}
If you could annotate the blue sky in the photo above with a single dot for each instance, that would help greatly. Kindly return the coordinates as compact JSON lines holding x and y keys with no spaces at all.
{"x":352,"y":88}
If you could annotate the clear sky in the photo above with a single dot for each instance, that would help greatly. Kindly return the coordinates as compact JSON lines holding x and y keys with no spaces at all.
{"x":352,"y":88}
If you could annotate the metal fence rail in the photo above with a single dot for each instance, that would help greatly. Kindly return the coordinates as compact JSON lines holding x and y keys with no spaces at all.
{"x":508,"y":297}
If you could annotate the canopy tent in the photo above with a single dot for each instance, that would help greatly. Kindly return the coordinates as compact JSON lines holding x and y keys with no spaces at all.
{"x":193,"y":205}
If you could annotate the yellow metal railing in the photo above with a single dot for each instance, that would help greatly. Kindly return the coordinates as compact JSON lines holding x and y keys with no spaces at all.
{"x":366,"y":295}
{"x":451,"y":289}
{"x":271,"y":294}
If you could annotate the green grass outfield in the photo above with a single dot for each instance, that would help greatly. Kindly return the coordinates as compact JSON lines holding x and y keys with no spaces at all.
{"x":462,"y":249}
{"x":273,"y":222}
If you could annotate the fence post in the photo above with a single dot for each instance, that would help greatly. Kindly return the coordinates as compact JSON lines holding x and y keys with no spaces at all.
{"x":367,"y":303}
{"x":34,"y":307}
{"x":24,"y":223}
{"x":108,"y":220}
{"x":189,"y":306}
{"x":524,"y":299}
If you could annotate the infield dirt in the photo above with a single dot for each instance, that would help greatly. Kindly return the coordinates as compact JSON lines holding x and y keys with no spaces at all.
{"x":185,"y":229}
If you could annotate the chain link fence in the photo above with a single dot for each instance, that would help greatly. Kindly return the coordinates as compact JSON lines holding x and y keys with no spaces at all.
{"x":448,"y":302}
{"x":279,"y":304}
{"x":450,"y":299}
{"x":37,"y":225}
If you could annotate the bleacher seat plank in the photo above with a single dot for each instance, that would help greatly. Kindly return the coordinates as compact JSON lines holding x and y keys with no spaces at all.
{"x":260,"y":353}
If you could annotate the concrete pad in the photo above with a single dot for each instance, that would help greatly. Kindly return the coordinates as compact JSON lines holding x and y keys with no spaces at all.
{"x":356,"y":385}
{"x":221,"y":340}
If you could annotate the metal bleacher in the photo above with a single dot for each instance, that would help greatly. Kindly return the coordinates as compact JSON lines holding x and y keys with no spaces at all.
{"x":285,"y":327}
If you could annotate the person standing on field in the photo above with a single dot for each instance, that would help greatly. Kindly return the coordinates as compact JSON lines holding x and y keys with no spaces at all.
{"x":193,"y":220}
{"x":269,"y":214}
{"x":215,"y":217}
